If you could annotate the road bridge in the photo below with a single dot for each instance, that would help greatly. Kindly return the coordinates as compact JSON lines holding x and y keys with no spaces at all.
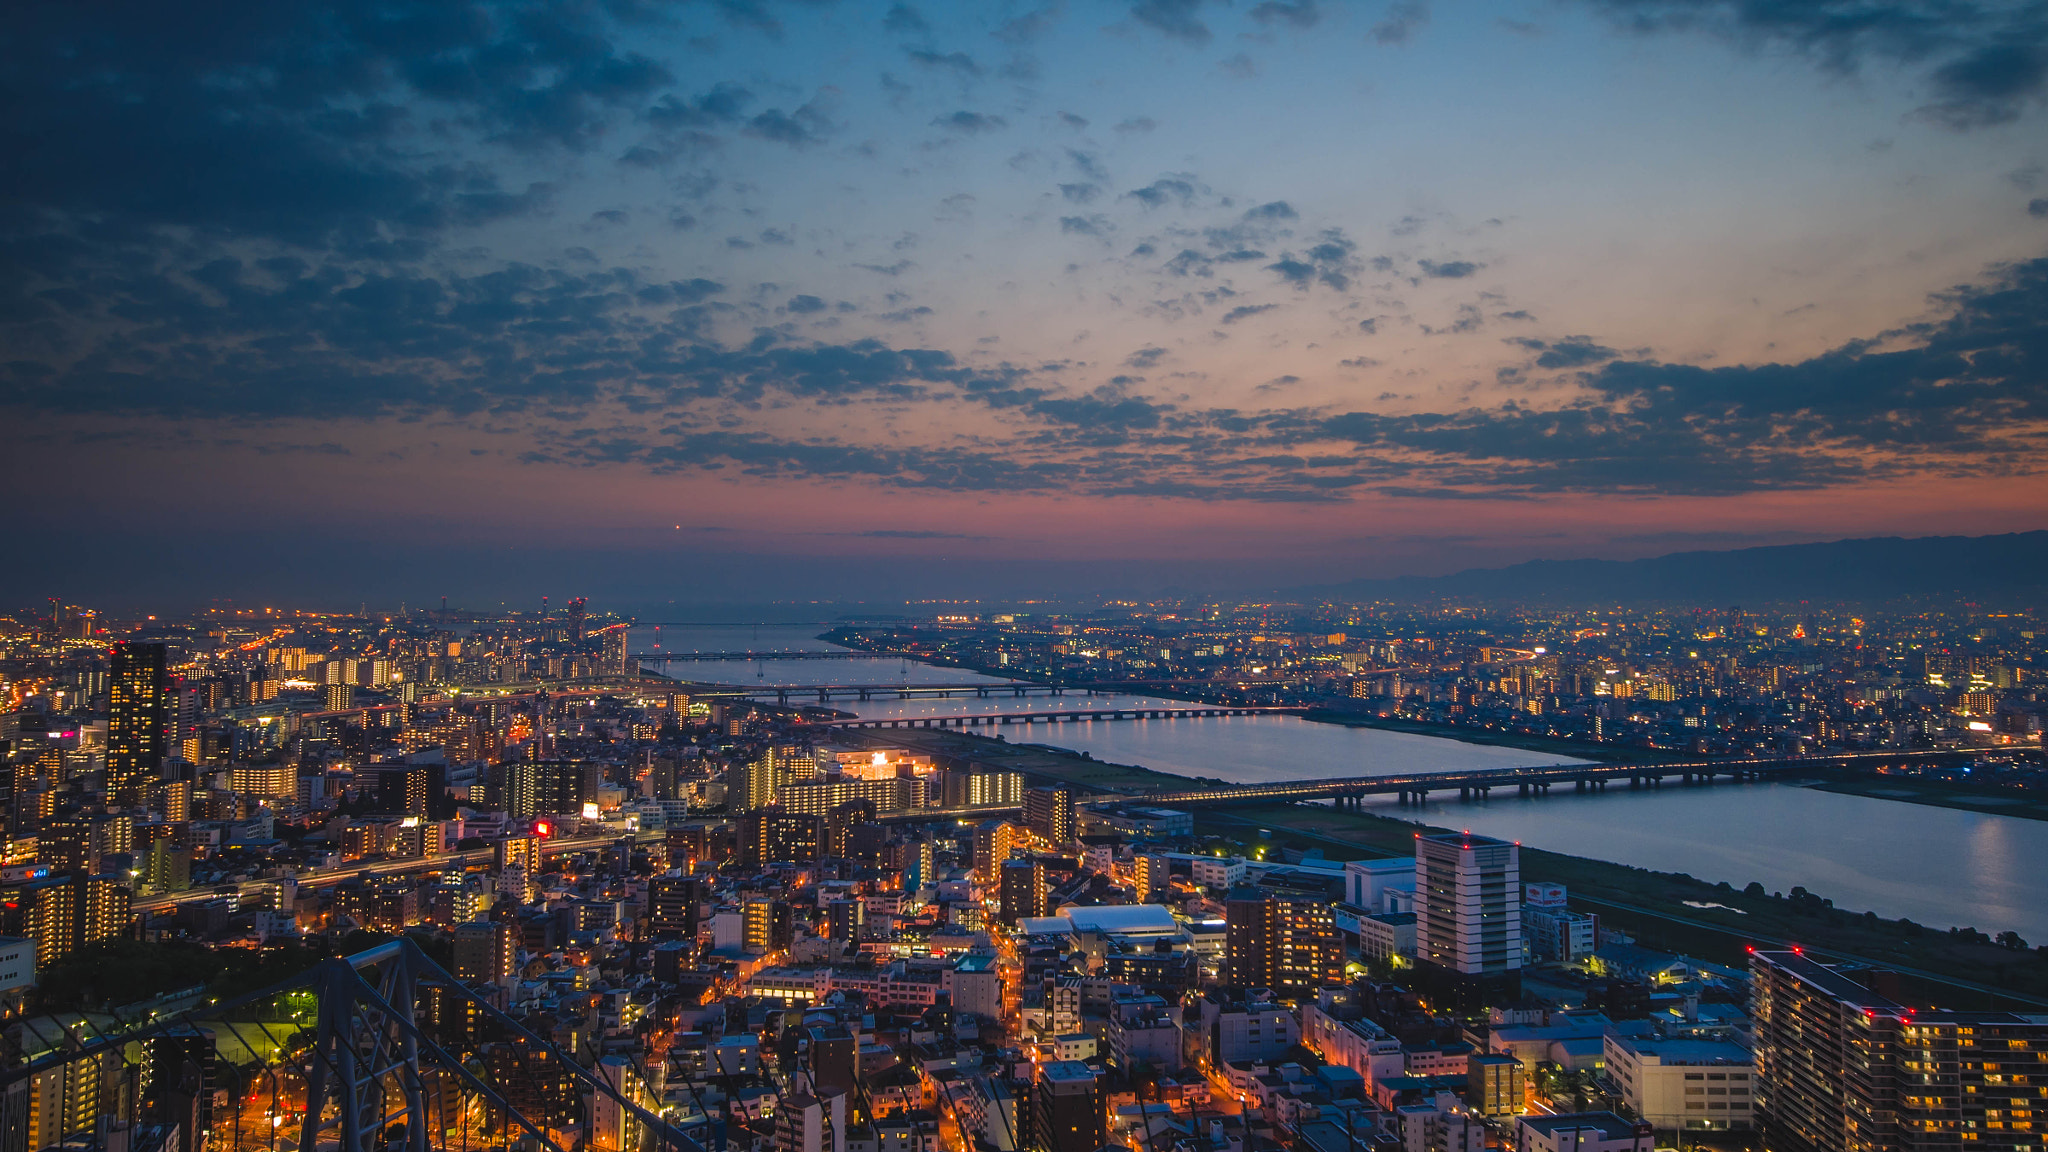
{"x":1415,"y":787}
{"x":1068,"y":716}
{"x":778,"y":654}
{"x":823,"y":693}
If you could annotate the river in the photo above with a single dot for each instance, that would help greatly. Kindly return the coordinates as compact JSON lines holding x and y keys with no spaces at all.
{"x":1937,"y":866}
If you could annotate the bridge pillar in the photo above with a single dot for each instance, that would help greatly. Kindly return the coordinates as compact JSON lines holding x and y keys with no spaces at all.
{"x":1422,"y":796}
{"x":1464,"y":793}
{"x":1524,"y":788}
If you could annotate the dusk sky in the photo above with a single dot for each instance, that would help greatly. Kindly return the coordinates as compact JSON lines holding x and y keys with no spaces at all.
{"x":752,"y":299}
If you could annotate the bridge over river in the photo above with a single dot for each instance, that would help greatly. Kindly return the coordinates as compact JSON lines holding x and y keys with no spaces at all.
{"x":1067,"y":716}
{"x":1415,"y":787}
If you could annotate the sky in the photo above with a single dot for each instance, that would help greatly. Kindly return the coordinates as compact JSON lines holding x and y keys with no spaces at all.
{"x":769,"y":299}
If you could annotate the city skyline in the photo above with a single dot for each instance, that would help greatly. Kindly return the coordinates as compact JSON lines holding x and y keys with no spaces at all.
{"x":1118,"y":295}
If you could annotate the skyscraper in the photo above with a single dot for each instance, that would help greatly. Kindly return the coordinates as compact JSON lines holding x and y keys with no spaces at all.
{"x":1468,"y":892}
{"x":1282,"y":942}
{"x":138,"y":719}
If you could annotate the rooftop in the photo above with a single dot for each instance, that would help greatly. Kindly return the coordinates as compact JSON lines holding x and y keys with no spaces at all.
{"x":1610,"y":1126}
{"x":1122,"y":919}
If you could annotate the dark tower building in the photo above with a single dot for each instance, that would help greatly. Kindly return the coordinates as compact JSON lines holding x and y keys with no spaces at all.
{"x":1022,"y":890}
{"x":138,"y":722}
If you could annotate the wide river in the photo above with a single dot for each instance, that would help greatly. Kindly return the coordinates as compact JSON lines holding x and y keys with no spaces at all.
{"x":1938,"y":866}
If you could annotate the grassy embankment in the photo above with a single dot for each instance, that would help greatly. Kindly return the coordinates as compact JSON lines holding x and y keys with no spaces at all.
{"x":1653,"y":907}
{"x":1940,"y":794}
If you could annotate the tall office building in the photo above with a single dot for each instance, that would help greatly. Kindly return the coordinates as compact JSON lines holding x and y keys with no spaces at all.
{"x":1282,"y":942}
{"x":1049,"y":813}
{"x":1468,"y":904}
{"x":1841,"y":1068}
{"x":138,"y":721}
{"x":1023,"y":890}
{"x":672,"y":905}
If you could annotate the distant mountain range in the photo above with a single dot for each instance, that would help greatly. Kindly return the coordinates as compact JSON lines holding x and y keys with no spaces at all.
{"x":2002,"y":569}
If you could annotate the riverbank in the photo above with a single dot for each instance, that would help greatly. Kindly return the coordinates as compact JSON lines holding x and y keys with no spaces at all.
{"x":1577,"y":749}
{"x":1714,"y":921}
{"x":1938,"y":794}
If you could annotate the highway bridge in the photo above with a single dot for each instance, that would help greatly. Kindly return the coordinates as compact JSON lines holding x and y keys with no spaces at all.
{"x":1415,"y":787}
{"x":321,"y":877}
{"x":783,"y":693}
{"x":989,"y":719}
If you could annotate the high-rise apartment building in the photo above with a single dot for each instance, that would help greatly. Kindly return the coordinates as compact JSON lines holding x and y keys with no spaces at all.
{"x":1049,"y":813}
{"x":486,"y":950}
{"x":766,"y":926}
{"x":968,"y":789}
{"x":1468,"y":903}
{"x":415,"y":790}
{"x":138,"y":721}
{"x":63,"y":914}
{"x":770,"y":835}
{"x":1023,"y":890}
{"x":991,"y":843}
{"x":759,"y":783}
{"x":1841,"y":1068}
{"x":549,"y":787}
{"x":1278,"y":941}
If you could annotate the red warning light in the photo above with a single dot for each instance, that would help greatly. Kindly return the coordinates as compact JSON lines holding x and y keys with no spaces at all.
{"x":1798,"y":951}
{"x":1750,"y":948}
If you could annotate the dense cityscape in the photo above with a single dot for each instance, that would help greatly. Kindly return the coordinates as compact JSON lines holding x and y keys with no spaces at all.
{"x":656,"y":909}
{"x":1024,"y":576}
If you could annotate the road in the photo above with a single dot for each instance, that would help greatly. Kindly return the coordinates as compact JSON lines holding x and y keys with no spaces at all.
{"x":318,"y":877}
